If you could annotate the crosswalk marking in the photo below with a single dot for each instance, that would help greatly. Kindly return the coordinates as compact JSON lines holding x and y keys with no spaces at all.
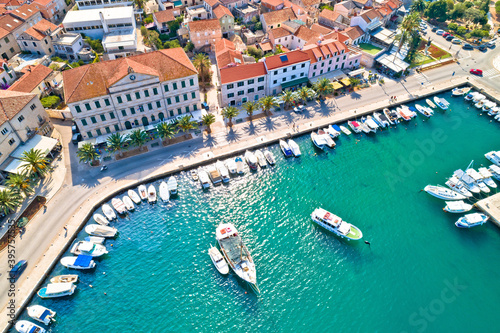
{"x":490,"y":72}
{"x":422,"y":79}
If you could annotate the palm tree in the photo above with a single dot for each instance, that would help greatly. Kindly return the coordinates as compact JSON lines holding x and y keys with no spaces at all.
{"x":418,"y":6}
{"x":87,"y":153}
{"x":116,"y":143}
{"x":35,"y":162}
{"x":305,"y":93}
{"x":185,"y":124}
{"x":138,"y":138}
{"x":208,"y":120}
{"x":323,"y":87}
{"x":202,"y":63}
{"x":166,"y":131}
{"x":266,"y":103}
{"x":19,"y":183}
{"x":229,"y":112}
{"x":9,"y":200}
{"x":250,"y":107}
{"x":288,"y":97}
{"x":354,"y":82}
{"x":408,"y":27}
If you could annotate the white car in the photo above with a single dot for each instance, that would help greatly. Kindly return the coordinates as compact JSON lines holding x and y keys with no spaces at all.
{"x":440,"y":32}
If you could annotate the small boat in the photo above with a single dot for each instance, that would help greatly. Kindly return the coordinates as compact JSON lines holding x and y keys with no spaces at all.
{"x":143,"y":193}
{"x":443,"y":193}
{"x":294,"y":147}
{"x":466,"y":180}
{"x":95,"y":239}
{"x":488,"y":106}
{"x":470,"y":96}
{"x":231,"y":166}
{"x":151,"y":194}
{"x":24,"y":326}
{"x":354,"y":126}
{"x":381,"y":119}
{"x":372,"y":125}
{"x":478,"y":97}
{"x":495,"y":171}
{"x":480,"y":104}
{"x":214,"y":174}
{"x":429,"y":102}
{"x":134,"y":196}
{"x":345,"y":130}
{"x":89,"y":249}
{"x":457,"y":207}
{"x":493,"y":157}
{"x":318,"y":140}
{"x":81,"y":262}
{"x":261,"y":159}
{"x":41,"y":314}
{"x":218,"y":260}
{"x":337,"y":128}
{"x":364,"y":127}
{"x":460,"y":91}
{"x":403,"y":114}
{"x":269,"y":157}
{"x":331,"y":131}
{"x":118,"y":205}
{"x":424,"y":110}
{"x":328,"y":139}
{"x":486,"y":174}
{"x":129,"y":204}
{"x":224,"y":173}
{"x":100,"y":219}
{"x":285,"y":148}
{"x":109,"y":212}
{"x":456,"y":185}
{"x":68,"y":278}
{"x":471,"y":220}
{"x":172,"y":185}
{"x":164,"y":192}
{"x":392,"y":116}
{"x":204,"y":179}
{"x":194,"y":174}
{"x":335,"y":224}
{"x":54,"y":290}
{"x":494,"y":111}
{"x":240,"y":167}
{"x":441,"y":102}
{"x":100,"y":230}
{"x":251,"y":160}
{"x":478,"y":180}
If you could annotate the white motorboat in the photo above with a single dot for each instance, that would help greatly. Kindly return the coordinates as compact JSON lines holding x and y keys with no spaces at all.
{"x":224,"y":173}
{"x":261,"y":159}
{"x":129,"y":204}
{"x":269,"y":157}
{"x":441,"y":102}
{"x":402,"y":113}
{"x":194,"y":174}
{"x":109,"y":212}
{"x":151,"y":194}
{"x":163,"y":191}
{"x":318,"y":140}
{"x":24,"y":326}
{"x":424,"y":110}
{"x":364,"y":127}
{"x":67,"y":278}
{"x":471,"y":220}
{"x":494,"y":111}
{"x":251,"y":160}
{"x":285,"y":148}
{"x":134,"y":196}
{"x":480,"y":104}
{"x":143,"y":193}
{"x":118,"y":205}
{"x":431,"y":105}
{"x":488,"y":106}
{"x":95,"y":239}
{"x":231,"y":166}
{"x":204,"y":179}
{"x":486,"y":175}
{"x":41,"y":314}
{"x":478,"y":97}
{"x":478,"y":180}
{"x":294,"y":147}
{"x":328,"y":139}
{"x":214,"y":174}
{"x":460,"y":91}
{"x":240,"y":166}
{"x":381,"y":119}
{"x":335,"y":224}
{"x":100,"y":219}
{"x":470,"y":96}
{"x":392,"y":116}
{"x":331,"y":131}
{"x":218,"y":260}
{"x":100,"y":230}
{"x":443,"y":193}
{"x":172,"y":185}
{"x":495,"y":171}
{"x":370,"y":123}
{"x":345,"y":130}
{"x":493,"y":157}
{"x":89,"y":249}
{"x":54,"y":290}
{"x":456,"y":185}
{"x":457,"y":207}
{"x":354,"y":125}
{"x":467,"y":181}
{"x":81,"y":262}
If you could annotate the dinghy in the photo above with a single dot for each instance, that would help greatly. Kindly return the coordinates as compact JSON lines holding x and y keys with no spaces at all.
{"x":151,"y":194}
{"x":129,"y":204}
{"x":269,"y":157}
{"x":194,"y":174}
{"x":172,"y":185}
{"x":24,"y":326}
{"x":457,"y":207}
{"x":218,"y":260}
{"x":80,"y":262}
{"x":345,"y":130}
{"x":460,"y":91}
{"x":118,"y":205}
{"x":100,"y":219}
{"x":68,"y":278}
{"x":424,"y":110}
{"x":328,"y":139}
{"x":89,"y":249}
{"x":429,"y":102}
{"x":100,"y":230}
{"x":164,"y":192}
{"x":134,"y":196}
{"x":143,"y":193}
{"x":109,"y":212}
{"x":41,"y":314}
{"x":392,"y":116}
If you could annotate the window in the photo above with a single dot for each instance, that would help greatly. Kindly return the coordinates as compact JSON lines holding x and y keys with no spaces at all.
{"x":174,"y":85}
{"x":158,"y":104}
{"x":320,"y":72}
{"x":275,"y":72}
{"x":93,"y":120}
{"x":179,"y":111}
{"x":155,"y":91}
{"x":89,"y":134}
{"x":103,"y":117}
{"x":132,"y":110}
{"x":165,"y":87}
{"x":107,"y":130}
{"x":191,"y":82}
{"x":230,"y":86}
{"x":183,"y":84}
{"x":283,"y":79}
{"x":99,"y":132}
{"x":241,"y":92}
{"x":241,"y":84}
{"x":230,"y":95}
{"x":150,"y":106}
{"x":11,"y":141}
{"x":251,"y":81}
{"x":301,"y":74}
{"x":344,"y":57}
{"x":169,"y":101}
{"x":187,"y":109}
{"x":295,"y":67}
{"x":195,"y":107}
{"x":185,"y":97}
{"x":11,"y":50}
{"x":137,"y":95}
{"x":33,"y":107}
{"x":34,"y":44}
{"x":330,"y":62}
{"x":294,"y":76}
{"x":124,"y":113}
{"x":117,"y":128}
{"x":129,"y":98}
{"x":303,"y":65}
{"x":141,"y":108}
{"x":275,"y":81}
{"x":322,"y":64}
{"x":260,"y":79}
{"x":285,"y":70}
{"x":171,"y":112}
{"x":111,"y":115}
{"x":106,"y":102}
{"x":260,"y":88}
{"x":84,"y":122}
{"x":177,"y":99}
{"x":6,"y":39}
{"x":87,"y":106}
{"x":146,"y":93}
{"x":5,"y":131}
{"x":251,"y":90}
{"x":77,"y":108}
{"x":193,"y":95}
{"x":119,"y":99}
{"x":97,"y":104}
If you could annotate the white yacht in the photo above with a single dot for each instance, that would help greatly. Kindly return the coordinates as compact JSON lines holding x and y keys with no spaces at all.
{"x":204,"y":179}
{"x":54,"y":290}
{"x":285,"y":148}
{"x":24,"y":326}
{"x":471,"y":220}
{"x":240,"y":166}
{"x":164,"y":192}
{"x":382,"y":119}
{"x":456,"y":185}
{"x":443,"y":193}
{"x":478,"y":97}
{"x":493,"y":157}
{"x":129,"y":204}
{"x":100,"y":219}
{"x":335,"y":224}
{"x":261,"y":159}
{"x":81,"y":262}
{"x":151,"y":193}
{"x":467,"y":181}
{"x":143,"y":192}
{"x":224,"y":173}
{"x":109,"y":212}
{"x":100,"y":230}
{"x":478,"y":180}
{"x":328,"y":139}
{"x":458,"y":206}
{"x":231,"y":166}
{"x":89,"y":249}
{"x":118,"y":205}
{"x":269,"y":157}
{"x":486,"y":175}
{"x":172,"y":185}
{"x":372,"y":123}
{"x":251,"y":160}
{"x":495,"y":171}
{"x":318,"y":140}
{"x":134,"y":196}
{"x":218,"y":260}
{"x":345,"y":130}
{"x":426,"y":111}
{"x":41,"y":314}
{"x":294,"y":147}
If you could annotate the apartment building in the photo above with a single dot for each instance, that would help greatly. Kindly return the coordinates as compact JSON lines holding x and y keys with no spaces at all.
{"x":38,"y":39}
{"x":287,"y":71}
{"x":205,"y":33}
{"x":243,"y":83}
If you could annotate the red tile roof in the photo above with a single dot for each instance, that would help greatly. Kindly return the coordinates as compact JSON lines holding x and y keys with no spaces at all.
{"x":229,"y":57}
{"x":220,"y":11}
{"x":164,"y":16}
{"x":223,"y":45}
{"x":271,"y":3}
{"x":279,"y":32}
{"x":9,"y":22}
{"x":43,"y":2}
{"x":279,"y":16}
{"x":212,"y":3}
{"x":292,"y":57}
{"x":29,"y":81}
{"x":38,"y":30}
{"x":321,"y":29}
{"x":329,"y":14}
{"x":11,"y":102}
{"x":354,"y":32}
{"x":307,"y":34}
{"x":25,"y":12}
{"x":233,"y":74}
{"x":266,"y":46}
{"x":204,"y":25}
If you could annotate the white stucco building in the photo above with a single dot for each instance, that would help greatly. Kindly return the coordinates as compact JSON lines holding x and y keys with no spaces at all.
{"x":287,"y":71}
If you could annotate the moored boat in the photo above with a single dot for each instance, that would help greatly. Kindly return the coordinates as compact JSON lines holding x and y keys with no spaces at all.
{"x":231,"y":166}
{"x":100,"y":230}
{"x":443,"y":193}
{"x":163,"y":191}
{"x":328,"y":139}
{"x":470,"y":96}
{"x":467,"y":181}
{"x":134,"y":196}
{"x":218,"y":260}
{"x":269,"y":157}
{"x":194,"y":174}
{"x":424,"y":110}
{"x":456,"y":185}
{"x":480,"y":104}
{"x":68,"y":278}
{"x":495,"y":171}
{"x":251,"y":160}
{"x":285,"y":148}
{"x":214,"y":174}
{"x":335,"y":224}
{"x":354,"y":126}
{"x":172,"y":185}
{"x":441,"y":102}
{"x":486,"y":175}
{"x":41,"y":314}
{"x":204,"y":179}
{"x":478,"y":180}
{"x":429,"y":102}
{"x":95,"y":239}
{"x":488,"y":106}
{"x":457,"y":207}
{"x":129,"y":204}
{"x":471,"y":220}
{"x":240,"y":168}
{"x":372,"y":125}
{"x":345,"y":130}
{"x":24,"y":326}
{"x":392,"y":116}
{"x":54,"y":290}
{"x":261,"y":159}
{"x":100,"y":219}
{"x":81,"y":262}
{"x":143,"y":192}
{"x":88,"y":248}
{"x":318,"y":140}
{"x":460,"y":91}
{"x":294,"y":147}
{"x":223,"y":171}
{"x":331,"y":132}
{"x":109,"y":212}
{"x":493,"y":157}
{"x":403,"y":114}
{"x":118,"y":205}
{"x":151,"y":194}
{"x":382,"y":119}
{"x":478,"y":97}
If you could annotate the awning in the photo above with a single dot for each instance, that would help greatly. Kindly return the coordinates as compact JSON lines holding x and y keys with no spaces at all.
{"x":198,"y":115}
{"x":38,"y":142}
{"x":356,"y":72}
{"x":294,"y":82}
{"x":346,"y":82}
{"x":102,"y":138}
{"x":15,"y":166}
{"x":91,"y":141}
{"x":392,"y":62}
{"x":129,"y":131}
{"x":337,"y":85}
{"x":177,"y":3}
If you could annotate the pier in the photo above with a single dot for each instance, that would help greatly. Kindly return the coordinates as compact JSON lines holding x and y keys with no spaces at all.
{"x":491,"y":207}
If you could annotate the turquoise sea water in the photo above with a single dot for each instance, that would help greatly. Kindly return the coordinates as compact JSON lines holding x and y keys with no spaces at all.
{"x":420,"y":273}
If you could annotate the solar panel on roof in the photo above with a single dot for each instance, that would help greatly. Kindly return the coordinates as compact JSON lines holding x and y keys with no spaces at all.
{"x":283,"y":58}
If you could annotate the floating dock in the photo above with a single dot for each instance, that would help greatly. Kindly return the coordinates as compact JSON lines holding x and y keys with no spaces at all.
{"x":491,"y":207}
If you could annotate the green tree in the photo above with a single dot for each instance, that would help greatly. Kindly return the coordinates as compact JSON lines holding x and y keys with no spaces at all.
{"x":20,"y":183}
{"x":166,"y":131}
{"x":171,"y":44}
{"x":474,"y":15}
{"x":148,"y":19}
{"x":305,"y":94}
{"x":453,"y":26}
{"x":450,"y":4}
{"x":35,"y":162}
{"x":461,"y":30}
{"x":208,"y":120}
{"x":255,"y":52}
{"x":250,"y":108}
{"x":458,"y":11}
{"x":288,"y":98}
{"x":354,"y":82}
{"x":258,"y":26}
{"x":138,"y":138}
{"x":438,"y":10}
{"x":87,"y":153}
{"x":9,"y":201}
{"x":202,"y":63}
{"x":418,"y":6}
{"x":229,"y":112}
{"x":95,"y":44}
{"x":497,"y":7}
{"x":185,"y":124}
{"x":266,"y":103}
{"x":50,"y":101}
{"x":189,"y":47}
{"x":116,"y":143}
{"x":408,"y":30}
{"x":140,"y":3}
{"x":323,"y":87}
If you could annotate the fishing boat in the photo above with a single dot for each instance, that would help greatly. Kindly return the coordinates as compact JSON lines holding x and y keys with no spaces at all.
{"x":95,"y":239}
{"x":403,"y":114}
{"x":285,"y":148}
{"x":328,"y":139}
{"x":164,"y":192}
{"x":204,"y":179}
{"x":240,"y":167}
{"x":354,"y":126}
{"x":172,"y":185}
{"x":218,"y":260}
{"x":424,"y":110}
{"x":467,"y":181}
{"x":495,"y":171}
{"x":294,"y":147}
{"x":109,"y":212}
{"x":345,"y":130}
{"x":214,"y":174}
{"x":456,"y":185}
{"x":224,"y":173}
{"x":118,"y":205}
{"x":478,"y":180}
{"x":493,"y":157}
{"x":54,"y":290}
{"x":41,"y":314}
{"x":364,"y":127}
{"x":372,"y":125}
{"x":236,"y":253}
{"x":68,"y":278}
{"x":318,"y":140}
{"x":457,"y":207}
{"x":134,"y":196}
{"x":88,"y":248}
{"x":488,"y":106}
{"x":429,"y":102}
{"x":151,"y":194}
{"x":81,"y":262}
{"x":129,"y":204}
{"x":24,"y":326}
{"x":486,"y":175}
{"x":392,"y":116}
{"x":480,"y":104}
{"x":194,"y":174}
{"x":335,"y":224}
{"x":381,"y":119}
{"x":100,"y":219}
{"x":231,"y":166}
{"x":478,"y":97}
{"x":269,"y":157}
{"x":494,"y":111}
{"x":441,"y":102}
{"x":460,"y":91}
{"x":261,"y":159}
{"x":143,"y":193}
{"x":100,"y":230}
{"x":443,"y":193}
{"x":251,"y":160}
{"x":470,"y":96}
{"x":331,"y":131}
{"x":471,"y":220}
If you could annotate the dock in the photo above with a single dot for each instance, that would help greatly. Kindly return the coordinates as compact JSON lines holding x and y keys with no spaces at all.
{"x":491,"y":207}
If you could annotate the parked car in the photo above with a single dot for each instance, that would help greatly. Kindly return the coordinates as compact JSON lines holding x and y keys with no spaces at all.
{"x":482,"y":47}
{"x":456,"y":41}
{"x":434,"y":29}
{"x":440,"y":32}
{"x":467,"y":46}
{"x":74,"y":129}
{"x":446,"y":34}
{"x":18,"y":269}
{"x":476,"y":71}
{"x":450,"y":38}
{"x":76,"y":138}
{"x":491,"y":44}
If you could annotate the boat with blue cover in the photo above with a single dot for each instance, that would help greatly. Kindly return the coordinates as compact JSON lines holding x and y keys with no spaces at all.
{"x":81,"y":262}
{"x":471,"y":220}
{"x":285,"y":148}
{"x":441,"y":102}
{"x":41,"y":314}
{"x":24,"y":326}
{"x":54,"y":290}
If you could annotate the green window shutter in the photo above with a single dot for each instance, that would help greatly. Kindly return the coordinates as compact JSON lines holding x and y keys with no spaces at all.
{"x":166,"y":87}
{"x":124,"y":113}
{"x":155,"y":91}
{"x":87,"y":106}
{"x":174,"y":85}
{"x":77,"y":108}
{"x":106,"y":102}
{"x":117,"y":128}
{"x":112,"y":115}
{"x":84,"y":122}
{"x":146,"y":93}
{"x":177,"y":99}
{"x":93,"y":120}
{"x":191,"y":82}
{"x":193,"y":95}
{"x":103,"y":117}
{"x":129,"y":98}
{"x":169,"y":101}
{"x":119,"y":99}
{"x":158,"y":104}
{"x":97,"y":104}
{"x":185,"y":97}
{"x":183,"y":84}
{"x":137,"y":95}
{"x":89,"y":134}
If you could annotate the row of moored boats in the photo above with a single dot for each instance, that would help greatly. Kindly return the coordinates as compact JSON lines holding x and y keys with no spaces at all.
{"x":482,"y":103}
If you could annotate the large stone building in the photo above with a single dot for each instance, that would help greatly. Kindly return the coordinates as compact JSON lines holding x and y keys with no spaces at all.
{"x":205,"y":34}
{"x":126,"y":93}
{"x":38,"y":39}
